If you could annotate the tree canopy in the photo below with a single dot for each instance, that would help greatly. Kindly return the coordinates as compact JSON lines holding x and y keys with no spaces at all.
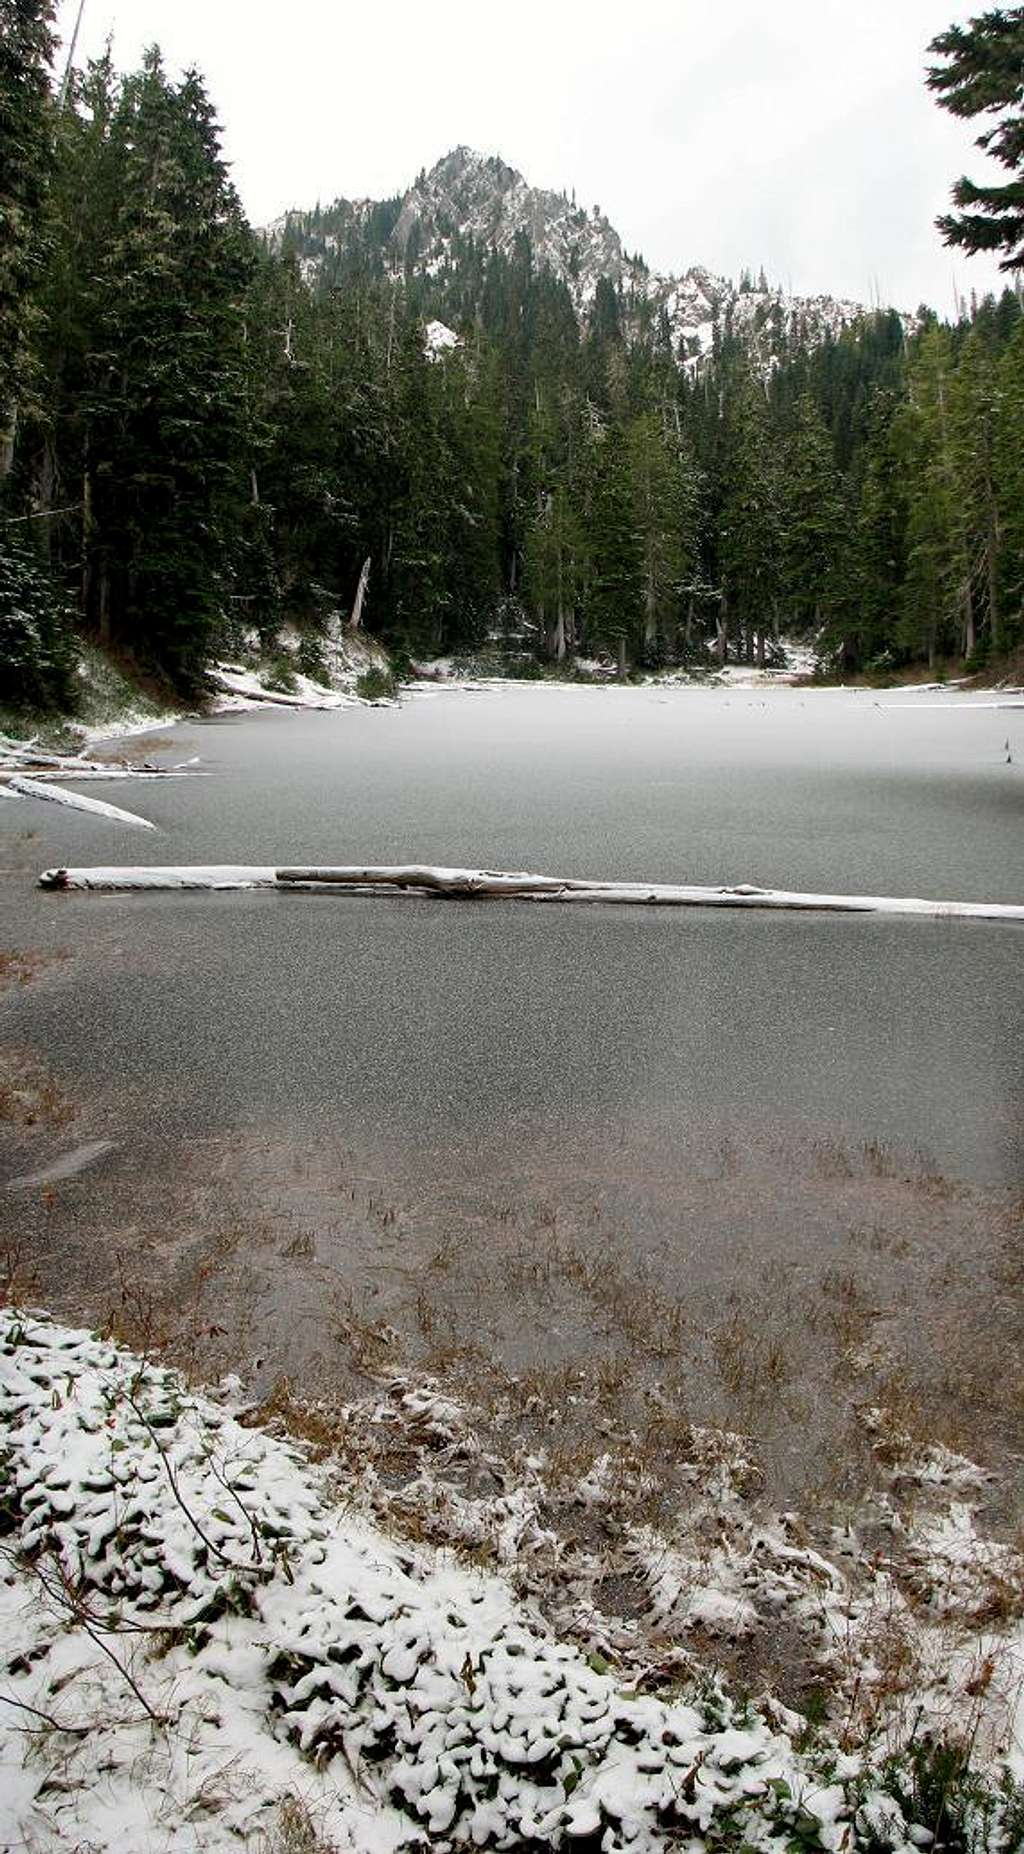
{"x":982,"y":74}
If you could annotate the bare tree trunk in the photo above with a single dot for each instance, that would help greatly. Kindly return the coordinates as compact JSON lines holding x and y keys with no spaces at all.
{"x":86,"y":593}
{"x":722,"y":628}
{"x":104,"y":606}
{"x":622,"y":667}
{"x":7,"y":436}
{"x":391,"y":335}
{"x":560,"y":622}
{"x":46,"y":478}
{"x":357,"y":610}
{"x":650,"y":614}
{"x":995,"y":540}
{"x":970,"y":635}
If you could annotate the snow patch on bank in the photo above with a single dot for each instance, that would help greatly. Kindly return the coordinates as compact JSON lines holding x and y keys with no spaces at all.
{"x":244,"y":689}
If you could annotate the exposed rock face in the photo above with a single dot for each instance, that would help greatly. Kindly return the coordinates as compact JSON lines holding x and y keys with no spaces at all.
{"x":470,"y":197}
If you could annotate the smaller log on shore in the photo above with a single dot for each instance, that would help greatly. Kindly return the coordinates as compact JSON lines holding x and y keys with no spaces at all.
{"x":24,"y":758}
{"x":34,"y":788}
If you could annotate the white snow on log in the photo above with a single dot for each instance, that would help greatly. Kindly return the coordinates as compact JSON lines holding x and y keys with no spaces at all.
{"x":34,"y":788}
{"x":186,"y":876}
{"x":87,"y":774}
{"x":493,"y":884}
{"x":961,"y":707}
{"x":247,"y":689}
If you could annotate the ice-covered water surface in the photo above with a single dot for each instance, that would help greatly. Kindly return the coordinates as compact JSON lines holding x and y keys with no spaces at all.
{"x":702,"y":1099}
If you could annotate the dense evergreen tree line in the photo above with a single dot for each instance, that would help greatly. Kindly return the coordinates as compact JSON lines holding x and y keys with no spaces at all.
{"x":200,"y":439}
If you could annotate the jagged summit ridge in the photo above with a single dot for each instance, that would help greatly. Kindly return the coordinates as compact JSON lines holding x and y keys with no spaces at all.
{"x":471,"y":196}
{"x":483,"y":197}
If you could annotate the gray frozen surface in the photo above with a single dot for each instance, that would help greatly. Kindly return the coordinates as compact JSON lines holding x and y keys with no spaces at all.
{"x":706,"y":1093}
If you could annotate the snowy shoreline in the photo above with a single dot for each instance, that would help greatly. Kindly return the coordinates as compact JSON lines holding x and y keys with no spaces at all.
{"x":199,"y":1624}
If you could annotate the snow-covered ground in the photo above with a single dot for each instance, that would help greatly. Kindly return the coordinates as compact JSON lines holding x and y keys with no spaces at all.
{"x":243,"y":689}
{"x":345,"y":655}
{"x":801,"y":661}
{"x":206,"y":1640}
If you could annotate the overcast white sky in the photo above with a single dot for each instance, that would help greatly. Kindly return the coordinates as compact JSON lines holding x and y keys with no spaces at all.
{"x":720,"y":132}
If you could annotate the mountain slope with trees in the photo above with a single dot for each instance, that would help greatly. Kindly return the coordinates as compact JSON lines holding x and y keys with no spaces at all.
{"x":208,"y":436}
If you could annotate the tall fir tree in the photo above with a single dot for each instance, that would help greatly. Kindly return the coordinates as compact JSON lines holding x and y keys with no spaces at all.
{"x":165,"y":400}
{"x":936,"y":594}
{"x":26,"y":136}
{"x":983,"y":75}
{"x":749,"y":528}
{"x":815,"y":524}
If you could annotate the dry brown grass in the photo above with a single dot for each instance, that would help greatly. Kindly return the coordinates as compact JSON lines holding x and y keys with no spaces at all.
{"x":20,"y":968}
{"x":321,"y":1430}
{"x":295,"y":1832}
{"x":29,"y":1094}
{"x":751,"y":1362}
{"x":633,"y":1308}
{"x":844,"y":1308}
{"x":19,"y":1282}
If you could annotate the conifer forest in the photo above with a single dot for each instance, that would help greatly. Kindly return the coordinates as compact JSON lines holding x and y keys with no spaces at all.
{"x":202,"y":436}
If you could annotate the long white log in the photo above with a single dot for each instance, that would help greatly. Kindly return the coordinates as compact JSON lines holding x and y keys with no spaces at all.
{"x":186,"y":876}
{"x":949,"y":708}
{"x":91,"y":775}
{"x":34,"y":788}
{"x":484,"y":884}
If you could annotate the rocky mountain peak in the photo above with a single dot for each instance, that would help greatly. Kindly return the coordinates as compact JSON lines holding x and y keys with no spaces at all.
{"x":471,"y":196}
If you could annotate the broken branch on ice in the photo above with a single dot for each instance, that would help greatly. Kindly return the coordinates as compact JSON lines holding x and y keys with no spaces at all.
{"x":494,"y":884}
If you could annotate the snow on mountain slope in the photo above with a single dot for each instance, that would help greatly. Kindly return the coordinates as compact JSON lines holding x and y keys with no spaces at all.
{"x":474,"y":200}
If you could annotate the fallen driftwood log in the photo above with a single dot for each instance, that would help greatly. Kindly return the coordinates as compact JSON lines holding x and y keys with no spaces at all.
{"x":88,"y":774}
{"x":23,"y":756}
{"x":246,"y":684}
{"x":497,"y":884}
{"x":34,"y":788}
{"x":183,"y":876}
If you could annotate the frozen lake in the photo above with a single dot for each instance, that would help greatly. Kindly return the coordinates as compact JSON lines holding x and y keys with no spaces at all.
{"x":718,"y":1103}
